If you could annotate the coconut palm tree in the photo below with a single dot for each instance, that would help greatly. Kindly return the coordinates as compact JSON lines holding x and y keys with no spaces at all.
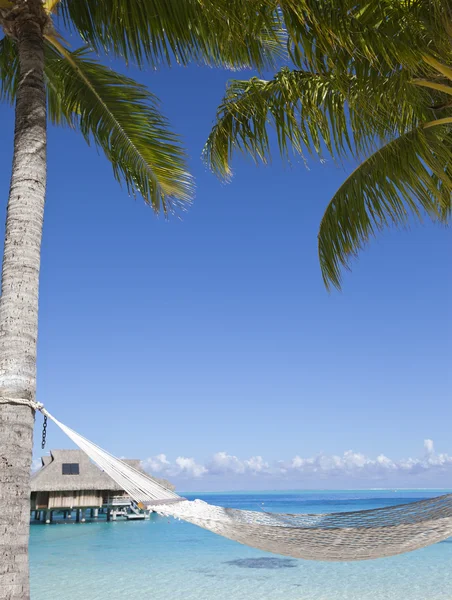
{"x":46,"y":79}
{"x":371,"y":80}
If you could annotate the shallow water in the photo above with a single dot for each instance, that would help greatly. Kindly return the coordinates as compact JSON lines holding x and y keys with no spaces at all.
{"x":164,"y":559}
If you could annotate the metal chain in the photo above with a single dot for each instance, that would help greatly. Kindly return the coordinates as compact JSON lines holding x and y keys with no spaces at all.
{"x":44,"y":432}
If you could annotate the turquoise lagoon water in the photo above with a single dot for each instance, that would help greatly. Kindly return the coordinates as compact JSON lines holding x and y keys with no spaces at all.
{"x":163,"y":559}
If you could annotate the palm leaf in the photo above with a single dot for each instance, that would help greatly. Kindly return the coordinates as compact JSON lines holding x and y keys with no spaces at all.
{"x":225,"y":32}
{"x":123,"y":119}
{"x":409,"y":176}
{"x":434,"y":85}
{"x":9,"y":69}
{"x":384,"y":33}
{"x":250,"y":108}
{"x":51,"y":6}
{"x":313,"y":111}
{"x":439,"y":67}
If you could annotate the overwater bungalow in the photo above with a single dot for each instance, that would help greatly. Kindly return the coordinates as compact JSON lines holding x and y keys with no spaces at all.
{"x":69,"y":481}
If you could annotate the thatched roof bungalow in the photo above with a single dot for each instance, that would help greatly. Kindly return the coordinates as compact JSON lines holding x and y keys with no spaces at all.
{"x":68,"y":479}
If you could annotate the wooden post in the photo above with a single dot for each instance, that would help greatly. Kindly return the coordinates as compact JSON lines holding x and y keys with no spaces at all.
{"x":77,"y":515}
{"x":48,"y":516}
{"x":108,"y":515}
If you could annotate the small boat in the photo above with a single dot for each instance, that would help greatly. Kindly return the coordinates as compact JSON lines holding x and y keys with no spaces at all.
{"x":134,"y":517}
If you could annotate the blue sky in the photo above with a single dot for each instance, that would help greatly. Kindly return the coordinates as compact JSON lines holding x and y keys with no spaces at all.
{"x":212,"y":341}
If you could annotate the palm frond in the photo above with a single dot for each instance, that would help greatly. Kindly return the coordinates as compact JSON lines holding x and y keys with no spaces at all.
{"x":313,"y":111}
{"x":384,"y":33}
{"x":237,"y":33}
{"x":123,"y":119}
{"x":409,"y":176}
{"x":9,"y":69}
{"x":434,"y":85}
{"x":439,"y":67}
{"x":51,"y":6}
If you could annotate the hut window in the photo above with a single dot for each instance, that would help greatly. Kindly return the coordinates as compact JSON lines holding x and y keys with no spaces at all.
{"x":71,"y":469}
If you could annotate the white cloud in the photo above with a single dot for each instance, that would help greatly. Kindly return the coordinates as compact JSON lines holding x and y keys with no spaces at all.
{"x":358,"y":465}
{"x":182,"y":466}
{"x":256,"y":464}
{"x":428,"y":446}
{"x":350,"y":464}
{"x":156,"y":464}
{"x":223,"y":463}
{"x":188,"y":467}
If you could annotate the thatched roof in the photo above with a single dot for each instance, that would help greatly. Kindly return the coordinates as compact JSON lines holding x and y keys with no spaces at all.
{"x":50,"y":476}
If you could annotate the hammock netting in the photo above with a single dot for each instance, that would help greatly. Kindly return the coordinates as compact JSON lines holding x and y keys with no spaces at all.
{"x":347,"y":536}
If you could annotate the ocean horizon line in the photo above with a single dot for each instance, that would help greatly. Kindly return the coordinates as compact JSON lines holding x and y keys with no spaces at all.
{"x":312,"y":490}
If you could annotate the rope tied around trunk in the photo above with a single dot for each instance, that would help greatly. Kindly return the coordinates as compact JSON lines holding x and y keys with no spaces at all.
{"x":34,"y":405}
{"x":24,"y":402}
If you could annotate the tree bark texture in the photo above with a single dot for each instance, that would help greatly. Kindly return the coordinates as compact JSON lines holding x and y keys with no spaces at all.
{"x":19,"y":306}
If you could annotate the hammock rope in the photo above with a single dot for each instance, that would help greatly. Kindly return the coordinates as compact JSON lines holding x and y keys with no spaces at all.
{"x":347,"y":536}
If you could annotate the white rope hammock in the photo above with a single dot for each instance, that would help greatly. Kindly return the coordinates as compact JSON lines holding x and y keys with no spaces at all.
{"x":349,"y":536}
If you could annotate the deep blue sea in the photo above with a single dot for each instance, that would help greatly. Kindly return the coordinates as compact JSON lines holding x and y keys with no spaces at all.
{"x":163,"y":559}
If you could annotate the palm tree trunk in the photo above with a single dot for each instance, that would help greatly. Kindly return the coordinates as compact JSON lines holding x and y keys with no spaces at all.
{"x":19,"y":307}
